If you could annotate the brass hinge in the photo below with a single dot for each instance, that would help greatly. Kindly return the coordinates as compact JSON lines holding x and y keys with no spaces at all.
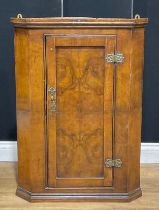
{"x":109,"y":163}
{"x":115,"y":58}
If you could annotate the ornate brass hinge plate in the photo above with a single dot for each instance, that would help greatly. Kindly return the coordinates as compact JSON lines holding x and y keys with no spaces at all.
{"x":109,"y":163}
{"x":115,"y":58}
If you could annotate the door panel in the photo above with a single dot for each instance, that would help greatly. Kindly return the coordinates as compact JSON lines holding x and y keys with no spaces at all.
{"x":79,"y":103}
{"x":80,"y":129}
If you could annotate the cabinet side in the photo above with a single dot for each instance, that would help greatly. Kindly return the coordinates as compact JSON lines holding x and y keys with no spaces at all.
{"x":21,"y":44}
{"x":135,"y":116}
{"x":38,"y":112}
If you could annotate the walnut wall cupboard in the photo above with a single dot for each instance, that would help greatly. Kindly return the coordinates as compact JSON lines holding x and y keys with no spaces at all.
{"x":79,"y":102}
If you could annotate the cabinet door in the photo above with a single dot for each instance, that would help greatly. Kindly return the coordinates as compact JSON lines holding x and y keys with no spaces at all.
{"x":80,"y":100}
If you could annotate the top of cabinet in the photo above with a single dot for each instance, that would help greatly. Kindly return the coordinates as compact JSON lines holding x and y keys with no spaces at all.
{"x":79,"y":22}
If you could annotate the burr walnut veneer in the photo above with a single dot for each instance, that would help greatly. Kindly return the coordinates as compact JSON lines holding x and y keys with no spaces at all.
{"x":79,"y":102}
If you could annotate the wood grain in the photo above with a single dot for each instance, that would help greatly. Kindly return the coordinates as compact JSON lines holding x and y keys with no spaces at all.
{"x":78,"y":22}
{"x":81,"y":85}
{"x":98,"y":107}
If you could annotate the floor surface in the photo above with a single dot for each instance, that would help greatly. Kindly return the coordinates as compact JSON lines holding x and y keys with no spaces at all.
{"x":149,"y":200}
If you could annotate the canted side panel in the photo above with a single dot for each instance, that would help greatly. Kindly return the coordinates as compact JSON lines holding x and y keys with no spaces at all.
{"x":135,"y":118}
{"x":31,"y":111}
{"x":128,"y":109}
{"x":30,"y":90}
{"x":122,"y":110}
{"x":21,"y":42}
{"x":80,"y":101}
{"x":23,"y":106}
{"x":37,"y":95}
